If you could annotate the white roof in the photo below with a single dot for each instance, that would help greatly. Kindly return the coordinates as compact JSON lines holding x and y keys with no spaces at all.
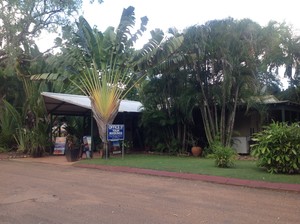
{"x":68,"y":104}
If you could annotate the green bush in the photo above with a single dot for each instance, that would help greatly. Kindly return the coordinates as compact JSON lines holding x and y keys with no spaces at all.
{"x":224,"y":156}
{"x":277,"y":148}
{"x":10,"y":120}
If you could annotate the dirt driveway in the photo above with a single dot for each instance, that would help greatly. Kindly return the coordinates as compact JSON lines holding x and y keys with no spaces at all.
{"x":50,"y":193}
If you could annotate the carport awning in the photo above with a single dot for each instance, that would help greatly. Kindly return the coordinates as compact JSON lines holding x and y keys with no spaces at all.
{"x":69,"y":104}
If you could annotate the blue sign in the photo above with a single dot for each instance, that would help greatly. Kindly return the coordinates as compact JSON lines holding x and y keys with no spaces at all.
{"x":115,"y":132}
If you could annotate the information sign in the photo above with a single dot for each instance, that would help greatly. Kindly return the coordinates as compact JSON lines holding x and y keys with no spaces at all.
{"x":59,"y":147}
{"x":115,"y":132}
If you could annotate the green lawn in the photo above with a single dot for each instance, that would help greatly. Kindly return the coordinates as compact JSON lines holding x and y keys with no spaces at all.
{"x":243,"y":169}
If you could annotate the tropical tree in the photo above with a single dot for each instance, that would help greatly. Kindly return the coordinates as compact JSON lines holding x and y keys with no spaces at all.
{"x":168,"y":116}
{"x":221,"y":60}
{"x":226,"y":63}
{"x":278,"y":47}
{"x":21,"y":23}
{"x":112,"y":64}
{"x":232,"y":61}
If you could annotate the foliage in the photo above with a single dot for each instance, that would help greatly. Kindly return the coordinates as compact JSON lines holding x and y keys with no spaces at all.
{"x":10,"y":120}
{"x":75,"y":126}
{"x":127,"y":144}
{"x":21,"y":24}
{"x":277,"y":148}
{"x":168,"y":116}
{"x":10,"y":90}
{"x":23,"y":21}
{"x":113,"y":67}
{"x":244,"y":169}
{"x":220,"y":65}
{"x":40,"y":141}
{"x":224,"y":156}
{"x":231,"y":61}
{"x":292,"y":94}
{"x":22,"y":138}
{"x":159,"y":132}
{"x":35,"y":140}
{"x":26,"y":129}
{"x":72,"y":142}
{"x":212,"y":68}
{"x":194,"y":141}
{"x":107,"y":75}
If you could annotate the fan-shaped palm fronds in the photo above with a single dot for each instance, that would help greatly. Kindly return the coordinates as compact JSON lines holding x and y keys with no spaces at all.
{"x":112,"y":63}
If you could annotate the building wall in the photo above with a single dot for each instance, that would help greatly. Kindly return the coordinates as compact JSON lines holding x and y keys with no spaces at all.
{"x":246,"y":123}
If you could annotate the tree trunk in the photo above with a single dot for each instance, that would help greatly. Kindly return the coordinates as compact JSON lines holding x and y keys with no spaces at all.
{"x":102,"y":123}
{"x":232,"y":119}
{"x":222,"y":122}
{"x":207,"y":128}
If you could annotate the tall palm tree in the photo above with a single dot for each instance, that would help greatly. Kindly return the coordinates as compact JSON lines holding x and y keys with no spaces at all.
{"x":115,"y":67}
{"x":221,"y":60}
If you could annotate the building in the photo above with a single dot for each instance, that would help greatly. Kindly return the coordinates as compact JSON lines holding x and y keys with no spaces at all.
{"x":266,"y":110}
{"x":60,"y":104}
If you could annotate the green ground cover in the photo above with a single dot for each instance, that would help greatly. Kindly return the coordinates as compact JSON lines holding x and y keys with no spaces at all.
{"x":244,"y":169}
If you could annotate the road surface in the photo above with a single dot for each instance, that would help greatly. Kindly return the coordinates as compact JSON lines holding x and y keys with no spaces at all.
{"x":38,"y":193}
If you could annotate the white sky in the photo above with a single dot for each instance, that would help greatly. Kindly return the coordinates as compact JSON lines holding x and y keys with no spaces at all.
{"x":164,"y":14}
{"x":181,"y":14}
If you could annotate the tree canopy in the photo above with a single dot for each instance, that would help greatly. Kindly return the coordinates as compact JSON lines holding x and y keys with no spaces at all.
{"x":225,"y":63}
{"x":204,"y":73}
{"x":112,"y":66}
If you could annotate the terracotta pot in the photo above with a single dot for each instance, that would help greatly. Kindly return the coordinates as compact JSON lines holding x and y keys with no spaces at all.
{"x":196,"y":150}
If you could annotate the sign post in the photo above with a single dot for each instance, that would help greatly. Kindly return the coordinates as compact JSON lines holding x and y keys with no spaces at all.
{"x":116,"y":132}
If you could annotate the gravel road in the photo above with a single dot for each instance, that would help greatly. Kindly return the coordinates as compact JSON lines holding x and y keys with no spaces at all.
{"x":38,"y":193}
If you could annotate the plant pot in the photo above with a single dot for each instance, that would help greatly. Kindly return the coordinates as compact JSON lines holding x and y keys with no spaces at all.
{"x":196,"y":150}
{"x":72,"y":154}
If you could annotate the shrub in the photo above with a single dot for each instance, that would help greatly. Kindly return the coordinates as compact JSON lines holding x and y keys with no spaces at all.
{"x":224,"y":156}
{"x":277,"y":148}
{"x":10,"y":120}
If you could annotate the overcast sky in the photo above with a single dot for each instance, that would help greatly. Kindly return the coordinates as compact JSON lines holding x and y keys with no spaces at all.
{"x":181,"y":14}
{"x":164,"y":14}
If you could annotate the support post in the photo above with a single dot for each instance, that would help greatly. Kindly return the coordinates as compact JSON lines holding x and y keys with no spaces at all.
{"x":123,"y":149}
{"x":92,"y":132}
{"x":51,"y":134}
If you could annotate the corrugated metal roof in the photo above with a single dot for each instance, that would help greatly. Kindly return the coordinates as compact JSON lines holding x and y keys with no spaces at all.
{"x":70,"y":104}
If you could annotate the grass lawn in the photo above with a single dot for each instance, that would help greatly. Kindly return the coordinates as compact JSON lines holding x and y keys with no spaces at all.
{"x":244,"y":169}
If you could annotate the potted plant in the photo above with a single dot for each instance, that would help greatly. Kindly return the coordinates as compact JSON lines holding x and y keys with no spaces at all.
{"x":72,"y":148}
{"x":196,"y":149}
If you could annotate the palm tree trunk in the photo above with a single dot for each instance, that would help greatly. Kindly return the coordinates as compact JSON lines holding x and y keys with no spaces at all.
{"x":207,"y":127}
{"x":222,"y":120}
{"x":216,"y":116}
{"x":232,"y":119}
{"x":102,"y":124}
